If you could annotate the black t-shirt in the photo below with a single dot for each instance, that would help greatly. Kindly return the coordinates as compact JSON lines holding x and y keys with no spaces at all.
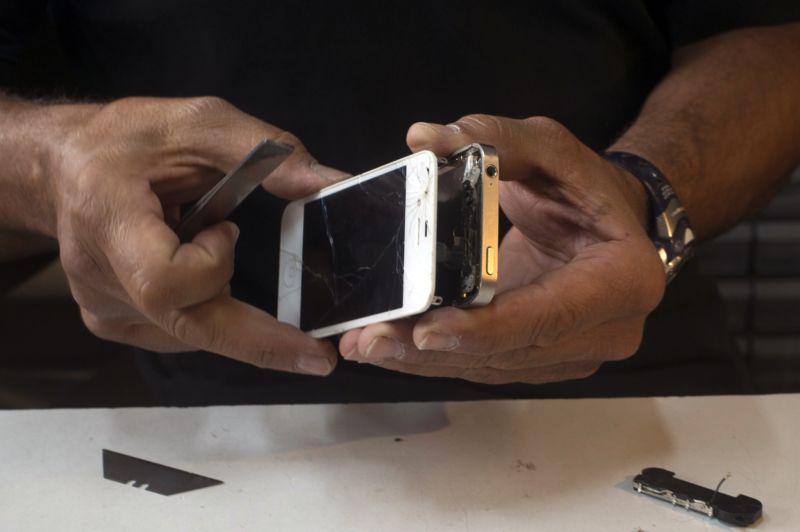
{"x":348,"y":79}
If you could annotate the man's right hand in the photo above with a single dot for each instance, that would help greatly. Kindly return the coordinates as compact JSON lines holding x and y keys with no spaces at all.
{"x":116,"y":182}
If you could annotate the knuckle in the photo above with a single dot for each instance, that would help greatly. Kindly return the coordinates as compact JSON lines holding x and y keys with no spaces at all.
{"x":75,"y":261}
{"x":227,"y":269}
{"x":287,"y":137}
{"x":177,"y":325}
{"x":214,"y":268}
{"x":632,"y":341}
{"x":212,"y":337}
{"x":101,"y":326}
{"x":84,"y":300}
{"x":267,"y":357}
{"x":544,"y":126}
{"x":200,"y":105}
{"x":151,"y":294}
{"x":584,"y":371}
{"x":190,"y":116}
{"x":483,"y":125}
{"x":551,"y":131}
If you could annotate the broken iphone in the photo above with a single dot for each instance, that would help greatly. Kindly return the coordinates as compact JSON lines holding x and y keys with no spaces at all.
{"x":362,"y":250}
{"x":391,"y":242}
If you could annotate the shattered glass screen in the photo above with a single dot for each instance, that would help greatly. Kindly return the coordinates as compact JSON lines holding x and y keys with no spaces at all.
{"x":353,"y":252}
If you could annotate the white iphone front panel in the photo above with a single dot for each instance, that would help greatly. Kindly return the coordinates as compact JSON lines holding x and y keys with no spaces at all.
{"x":361,"y":251}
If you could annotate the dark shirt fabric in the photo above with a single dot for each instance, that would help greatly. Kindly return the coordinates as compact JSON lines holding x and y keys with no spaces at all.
{"x":348,"y":79}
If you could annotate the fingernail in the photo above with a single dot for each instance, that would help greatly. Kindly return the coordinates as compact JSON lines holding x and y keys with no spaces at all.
{"x":381,"y":348}
{"x":314,"y":365}
{"x":351,"y":353}
{"x":438,"y":342}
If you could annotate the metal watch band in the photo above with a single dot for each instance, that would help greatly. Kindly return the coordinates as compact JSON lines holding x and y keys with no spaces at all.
{"x":669,"y":230}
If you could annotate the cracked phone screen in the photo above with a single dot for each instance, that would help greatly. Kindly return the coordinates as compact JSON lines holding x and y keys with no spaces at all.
{"x":353,"y":252}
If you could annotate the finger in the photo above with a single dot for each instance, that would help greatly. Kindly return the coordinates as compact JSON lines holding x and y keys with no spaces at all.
{"x":393,"y":342}
{"x":91,"y":278}
{"x":114,"y":303}
{"x":378,"y":341}
{"x":121,"y":323}
{"x":607,"y":342}
{"x":590,"y":290}
{"x":348,"y":343}
{"x":546,"y":161}
{"x":555,"y":373}
{"x":223,"y":135}
{"x":180,"y":288}
{"x":159,"y":273}
{"x":526,"y":148}
{"x":237,"y":330}
{"x":131,"y":330}
{"x":181,"y":185}
{"x":301,"y":174}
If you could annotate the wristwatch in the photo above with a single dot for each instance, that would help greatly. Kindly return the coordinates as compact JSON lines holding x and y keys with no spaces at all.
{"x":669,"y":229}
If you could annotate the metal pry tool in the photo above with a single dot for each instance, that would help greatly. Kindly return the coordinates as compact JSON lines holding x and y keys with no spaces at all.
{"x":219,"y":202}
{"x":662,"y":484}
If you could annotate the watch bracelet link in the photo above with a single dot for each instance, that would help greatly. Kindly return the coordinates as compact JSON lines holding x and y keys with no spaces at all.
{"x":669,"y":230}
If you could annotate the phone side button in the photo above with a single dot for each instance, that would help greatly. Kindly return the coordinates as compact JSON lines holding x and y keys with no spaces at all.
{"x":491,"y":260}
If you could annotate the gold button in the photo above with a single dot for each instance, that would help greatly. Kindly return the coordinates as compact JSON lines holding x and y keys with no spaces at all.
{"x":491,"y":260}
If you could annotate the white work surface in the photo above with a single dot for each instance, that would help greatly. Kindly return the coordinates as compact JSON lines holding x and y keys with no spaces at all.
{"x":560,"y":465}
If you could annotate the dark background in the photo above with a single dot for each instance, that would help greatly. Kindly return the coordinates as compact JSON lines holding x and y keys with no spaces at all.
{"x":48,"y":359}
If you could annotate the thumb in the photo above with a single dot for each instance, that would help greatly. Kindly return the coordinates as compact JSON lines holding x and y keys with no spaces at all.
{"x":441,"y":140}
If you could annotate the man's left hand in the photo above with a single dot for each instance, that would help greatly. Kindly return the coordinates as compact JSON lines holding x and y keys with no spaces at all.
{"x":577,"y":274}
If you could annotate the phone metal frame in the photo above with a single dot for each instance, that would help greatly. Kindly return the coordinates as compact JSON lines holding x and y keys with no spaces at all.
{"x":490,"y":221}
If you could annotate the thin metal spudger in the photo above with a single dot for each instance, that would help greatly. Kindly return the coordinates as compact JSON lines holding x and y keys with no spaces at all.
{"x":219,"y":202}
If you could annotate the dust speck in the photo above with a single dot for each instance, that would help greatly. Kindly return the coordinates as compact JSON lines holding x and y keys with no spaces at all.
{"x":521,"y":466}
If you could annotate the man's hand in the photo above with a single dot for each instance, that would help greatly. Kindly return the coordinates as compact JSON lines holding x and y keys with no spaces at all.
{"x":117,"y":182}
{"x":578,"y":274}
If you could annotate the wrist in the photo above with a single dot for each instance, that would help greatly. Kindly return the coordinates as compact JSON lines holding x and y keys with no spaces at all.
{"x":637,"y":197}
{"x":38,"y":138}
{"x":669,"y":228}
